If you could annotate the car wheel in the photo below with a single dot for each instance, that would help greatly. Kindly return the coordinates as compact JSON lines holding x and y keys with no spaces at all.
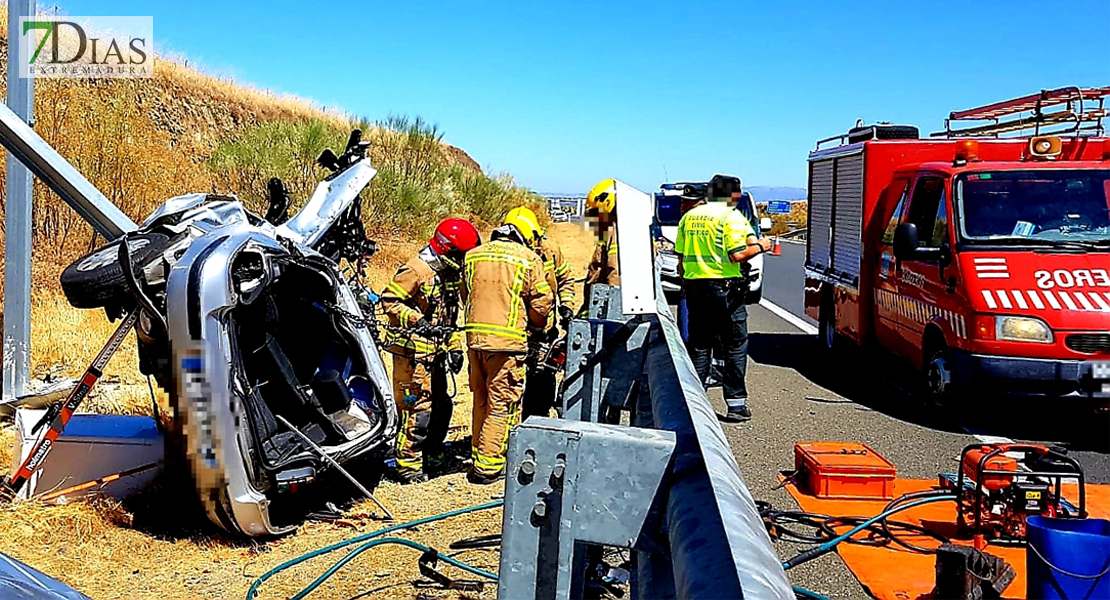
{"x":97,"y":279}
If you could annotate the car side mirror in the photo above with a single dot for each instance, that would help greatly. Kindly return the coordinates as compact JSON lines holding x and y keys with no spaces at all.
{"x":906,"y":242}
{"x":765,"y":224}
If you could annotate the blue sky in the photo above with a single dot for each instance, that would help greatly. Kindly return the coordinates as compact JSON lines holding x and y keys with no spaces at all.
{"x":563,"y":94}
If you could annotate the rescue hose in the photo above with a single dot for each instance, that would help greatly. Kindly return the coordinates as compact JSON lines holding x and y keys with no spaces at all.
{"x":380,"y":542}
{"x":801,"y":592}
{"x":830,"y":545}
{"x":252,"y":592}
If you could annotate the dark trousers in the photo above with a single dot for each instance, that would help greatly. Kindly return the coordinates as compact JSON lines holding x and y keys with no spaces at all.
{"x":718,"y":322}
{"x":539,"y":393}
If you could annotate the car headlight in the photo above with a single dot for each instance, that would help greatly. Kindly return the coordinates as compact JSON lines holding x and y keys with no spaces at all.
{"x":1022,"y":329}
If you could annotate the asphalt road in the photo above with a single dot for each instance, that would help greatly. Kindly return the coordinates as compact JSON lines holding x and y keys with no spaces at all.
{"x":800,"y":393}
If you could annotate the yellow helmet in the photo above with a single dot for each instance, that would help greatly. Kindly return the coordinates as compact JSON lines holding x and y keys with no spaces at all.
{"x":525,"y":222}
{"x":603,"y":196}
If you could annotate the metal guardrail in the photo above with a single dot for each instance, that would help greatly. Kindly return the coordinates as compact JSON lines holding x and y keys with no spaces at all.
{"x":669,"y":489}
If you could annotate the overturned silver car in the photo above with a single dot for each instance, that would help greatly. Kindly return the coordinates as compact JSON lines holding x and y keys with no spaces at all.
{"x":250,"y":325}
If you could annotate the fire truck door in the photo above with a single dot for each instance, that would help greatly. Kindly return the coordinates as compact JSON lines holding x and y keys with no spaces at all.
{"x":886,"y":277}
{"x":919,"y":286}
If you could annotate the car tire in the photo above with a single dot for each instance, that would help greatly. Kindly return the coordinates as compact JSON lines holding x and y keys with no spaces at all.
{"x":97,"y":279}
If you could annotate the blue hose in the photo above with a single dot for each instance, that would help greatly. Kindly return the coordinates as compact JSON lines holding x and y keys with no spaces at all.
{"x":801,"y":592}
{"x":379,"y":542}
{"x":253,"y":591}
{"x":828,"y":546}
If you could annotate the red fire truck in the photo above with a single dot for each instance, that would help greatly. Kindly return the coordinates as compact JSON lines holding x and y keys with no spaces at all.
{"x":982,"y":259}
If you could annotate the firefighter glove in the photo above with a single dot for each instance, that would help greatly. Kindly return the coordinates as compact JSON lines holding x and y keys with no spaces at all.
{"x":455,"y":361}
{"x":566,"y":313}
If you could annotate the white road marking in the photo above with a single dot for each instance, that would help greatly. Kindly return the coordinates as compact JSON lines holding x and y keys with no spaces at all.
{"x":788,"y":316}
{"x":992,"y":439}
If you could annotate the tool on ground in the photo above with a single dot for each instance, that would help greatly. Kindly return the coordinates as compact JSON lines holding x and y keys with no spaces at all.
{"x":965,"y":573}
{"x":60,"y":413}
{"x":1000,"y":485}
{"x":428,"y":562}
{"x":332,"y":462}
{"x":846,"y":470}
{"x":99,"y":482}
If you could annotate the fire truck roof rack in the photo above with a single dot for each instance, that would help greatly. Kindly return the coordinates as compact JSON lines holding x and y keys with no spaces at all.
{"x":1078,"y":111}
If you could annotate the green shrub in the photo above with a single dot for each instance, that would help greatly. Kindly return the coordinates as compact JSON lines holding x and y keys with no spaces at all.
{"x":418,"y":183}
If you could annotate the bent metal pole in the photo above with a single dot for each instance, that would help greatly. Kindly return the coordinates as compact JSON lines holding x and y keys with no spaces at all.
{"x":332,"y":461}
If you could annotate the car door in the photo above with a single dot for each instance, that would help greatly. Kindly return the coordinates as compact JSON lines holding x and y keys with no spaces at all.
{"x":886,"y":277}
{"x":919,"y":286}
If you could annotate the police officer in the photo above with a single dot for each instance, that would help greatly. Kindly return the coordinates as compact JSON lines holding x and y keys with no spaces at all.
{"x":714,"y":243}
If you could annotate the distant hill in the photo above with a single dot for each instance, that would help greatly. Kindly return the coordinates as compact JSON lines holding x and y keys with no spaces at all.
{"x":764,"y":193}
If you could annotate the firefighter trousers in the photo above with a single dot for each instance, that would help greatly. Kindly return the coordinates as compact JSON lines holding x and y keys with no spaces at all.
{"x":497,"y":380}
{"x":425,"y":408}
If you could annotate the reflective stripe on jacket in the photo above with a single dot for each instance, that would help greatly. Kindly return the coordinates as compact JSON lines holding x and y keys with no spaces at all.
{"x":557,"y":270}
{"x":418,"y":292}
{"x":506,"y":292}
{"x":707,"y":235}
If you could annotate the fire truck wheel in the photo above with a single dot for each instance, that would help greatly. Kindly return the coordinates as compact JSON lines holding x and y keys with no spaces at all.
{"x":939,"y":386}
{"x":826,"y":330}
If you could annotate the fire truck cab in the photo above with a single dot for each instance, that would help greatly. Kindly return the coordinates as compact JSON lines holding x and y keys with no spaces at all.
{"x":982,"y":260}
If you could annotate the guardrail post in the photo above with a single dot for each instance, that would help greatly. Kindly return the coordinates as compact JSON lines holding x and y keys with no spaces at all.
{"x":17,"y":223}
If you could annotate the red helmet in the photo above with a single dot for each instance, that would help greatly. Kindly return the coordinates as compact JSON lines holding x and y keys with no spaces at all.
{"x":454,"y":235}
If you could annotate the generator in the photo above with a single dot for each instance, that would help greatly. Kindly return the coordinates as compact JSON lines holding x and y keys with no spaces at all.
{"x":1000,"y":485}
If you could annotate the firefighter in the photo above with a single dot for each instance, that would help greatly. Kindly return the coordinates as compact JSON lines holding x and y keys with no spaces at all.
{"x":422,"y":305}
{"x":539,"y":394}
{"x":507,"y":298}
{"x":601,"y":205}
{"x":713,"y":244}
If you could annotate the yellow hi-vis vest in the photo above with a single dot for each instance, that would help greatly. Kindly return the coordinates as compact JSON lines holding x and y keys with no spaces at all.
{"x":706,"y":236}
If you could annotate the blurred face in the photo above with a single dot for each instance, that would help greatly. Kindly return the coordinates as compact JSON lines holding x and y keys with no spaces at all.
{"x":600,"y":222}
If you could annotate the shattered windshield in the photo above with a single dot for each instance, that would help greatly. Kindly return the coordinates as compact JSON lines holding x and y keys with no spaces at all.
{"x":1038,"y":206}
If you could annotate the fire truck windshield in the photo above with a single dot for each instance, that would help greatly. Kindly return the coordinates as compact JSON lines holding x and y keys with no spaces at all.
{"x":1035,"y":207}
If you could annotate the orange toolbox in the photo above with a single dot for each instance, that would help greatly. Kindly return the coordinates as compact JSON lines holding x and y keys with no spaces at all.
{"x":843,"y":470}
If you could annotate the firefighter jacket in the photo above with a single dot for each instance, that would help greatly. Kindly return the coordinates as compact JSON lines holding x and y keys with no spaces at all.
{"x":506,"y":293}
{"x":422,"y":289}
{"x":604,"y":267}
{"x":557,"y":270}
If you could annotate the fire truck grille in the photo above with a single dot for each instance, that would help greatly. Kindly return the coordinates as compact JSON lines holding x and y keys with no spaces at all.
{"x":1089,"y":343}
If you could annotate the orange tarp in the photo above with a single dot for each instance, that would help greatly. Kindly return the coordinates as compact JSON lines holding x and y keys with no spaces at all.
{"x":893,"y":573}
